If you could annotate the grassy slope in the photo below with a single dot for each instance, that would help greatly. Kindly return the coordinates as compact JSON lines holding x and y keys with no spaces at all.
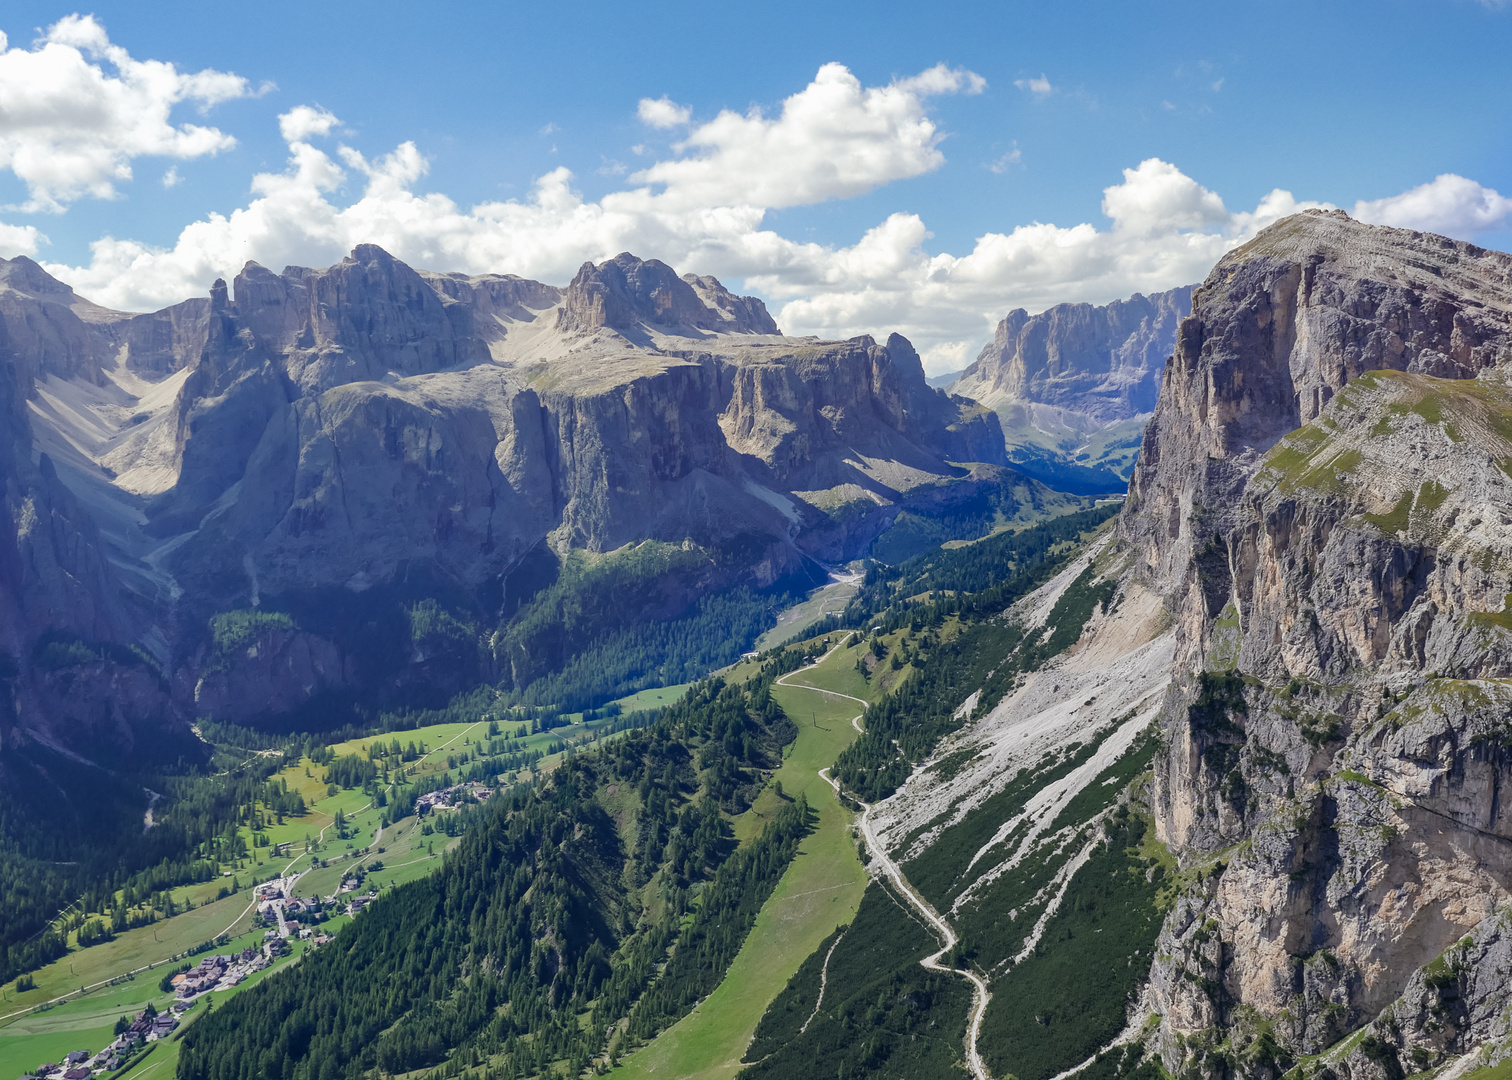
{"x":820,"y":891}
{"x":829,"y":600}
{"x":151,"y":944}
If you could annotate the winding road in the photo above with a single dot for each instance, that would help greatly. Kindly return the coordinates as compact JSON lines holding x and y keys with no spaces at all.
{"x":880,"y":857}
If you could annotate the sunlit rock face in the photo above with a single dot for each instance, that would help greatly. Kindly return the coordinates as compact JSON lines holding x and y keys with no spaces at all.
{"x":1324,"y":498}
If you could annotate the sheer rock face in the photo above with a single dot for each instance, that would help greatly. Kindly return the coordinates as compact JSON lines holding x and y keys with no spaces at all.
{"x":1074,"y":385}
{"x":1097,"y":365}
{"x":1335,"y":547}
{"x":352,"y":427}
{"x":62,"y":679}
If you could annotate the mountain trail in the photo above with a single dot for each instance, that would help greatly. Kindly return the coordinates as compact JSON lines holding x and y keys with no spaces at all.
{"x":981,"y":995}
{"x":823,"y":982}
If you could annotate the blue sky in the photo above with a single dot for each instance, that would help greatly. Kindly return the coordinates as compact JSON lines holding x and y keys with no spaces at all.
{"x":1049,"y":105}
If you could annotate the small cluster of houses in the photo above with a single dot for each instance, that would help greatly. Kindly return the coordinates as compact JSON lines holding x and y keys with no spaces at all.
{"x":447,"y":798}
{"x":221,"y":972}
{"x":81,"y":1064}
{"x":277,"y":899}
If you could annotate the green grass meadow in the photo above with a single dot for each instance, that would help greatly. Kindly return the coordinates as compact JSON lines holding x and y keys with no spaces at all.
{"x":820,"y":891}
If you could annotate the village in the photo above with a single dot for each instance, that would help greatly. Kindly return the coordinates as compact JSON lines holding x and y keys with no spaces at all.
{"x":452,"y":797}
{"x":285,"y":914}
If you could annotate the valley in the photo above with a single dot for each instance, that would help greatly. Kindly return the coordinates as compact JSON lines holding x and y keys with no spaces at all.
{"x":612,"y":684}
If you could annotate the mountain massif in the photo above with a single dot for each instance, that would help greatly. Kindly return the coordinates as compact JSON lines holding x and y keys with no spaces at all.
{"x":1075,"y":385}
{"x":346,"y":446}
{"x":1311,"y":619}
{"x":1208,"y":785}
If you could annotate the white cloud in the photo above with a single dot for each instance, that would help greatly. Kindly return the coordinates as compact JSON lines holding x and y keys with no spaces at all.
{"x":19,"y":240}
{"x":1447,"y":204}
{"x":832,"y":140}
{"x":1166,"y":230}
{"x":171,"y":178}
{"x":663,"y":112}
{"x":77,"y":111}
{"x":705,"y":211}
{"x":1007,"y":161}
{"x":1039,"y":87}
{"x":303,"y":121}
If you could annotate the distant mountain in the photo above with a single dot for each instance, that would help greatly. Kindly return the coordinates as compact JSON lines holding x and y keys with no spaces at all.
{"x":943,"y":381}
{"x":1075,"y":385}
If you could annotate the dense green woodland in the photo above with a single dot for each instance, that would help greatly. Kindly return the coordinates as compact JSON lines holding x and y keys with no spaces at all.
{"x":883,"y":1016}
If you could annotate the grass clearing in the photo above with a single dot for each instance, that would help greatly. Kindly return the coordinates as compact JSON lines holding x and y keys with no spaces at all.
{"x":827,"y":600}
{"x":820,"y":891}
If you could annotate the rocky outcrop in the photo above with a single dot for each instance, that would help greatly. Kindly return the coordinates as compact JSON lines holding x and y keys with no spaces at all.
{"x":626,"y":292}
{"x":49,"y":329}
{"x":1322,"y":497}
{"x":1075,"y":384}
{"x":279,"y":671}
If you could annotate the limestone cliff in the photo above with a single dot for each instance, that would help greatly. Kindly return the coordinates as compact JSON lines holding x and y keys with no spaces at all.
{"x":371,"y":429}
{"x":1323,"y":498}
{"x":69,"y":680}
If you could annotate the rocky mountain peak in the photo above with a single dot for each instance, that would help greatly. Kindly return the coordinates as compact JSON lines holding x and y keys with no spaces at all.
{"x":1321,"y":499}
{"x":1102,"y":363}
{"x":1075,"y":384}
{"x":741,"y":314}
{"x":1284,"y":322}
{"x":626,"y":292}
{"x":26,"y":276}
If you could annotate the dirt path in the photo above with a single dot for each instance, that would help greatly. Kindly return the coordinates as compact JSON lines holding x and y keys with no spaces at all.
{"x":980,"y":993}
{"x":823,"y":982}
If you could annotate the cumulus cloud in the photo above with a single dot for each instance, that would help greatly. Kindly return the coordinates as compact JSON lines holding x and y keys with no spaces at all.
{"x":1039,"y":87}
{"x":1165,"y":230}
{"x":1447,"y":204}
{"x":303,"y":121}
{"x":704,"y":210}
{"x":832,"y":140}
{"x":20,"y":239}
{"x":78,"y":109}
{"x":663,"y":112}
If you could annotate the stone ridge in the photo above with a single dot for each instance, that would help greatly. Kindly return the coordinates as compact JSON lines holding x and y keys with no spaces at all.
{"x":1101,"y":365}
{"x":1322,"y":499}
{"x":626,"y":292}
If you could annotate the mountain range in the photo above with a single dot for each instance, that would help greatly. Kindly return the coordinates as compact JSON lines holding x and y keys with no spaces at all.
{"x":1075,"y":384}
{"x":341,"y":445}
